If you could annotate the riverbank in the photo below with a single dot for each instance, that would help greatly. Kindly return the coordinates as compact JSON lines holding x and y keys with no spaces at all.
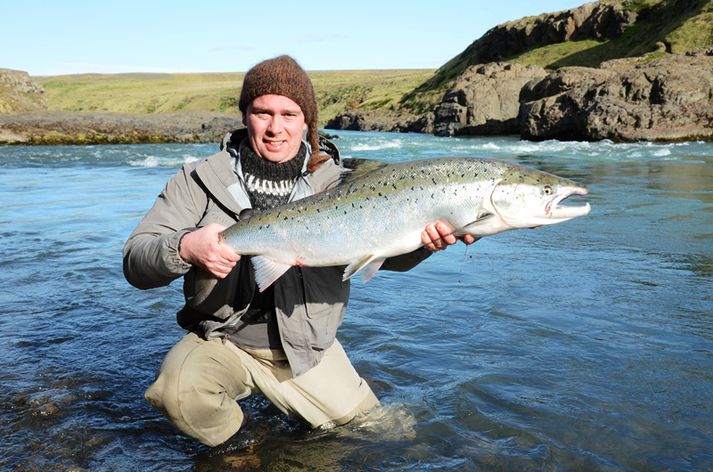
{"x":114,"y":128}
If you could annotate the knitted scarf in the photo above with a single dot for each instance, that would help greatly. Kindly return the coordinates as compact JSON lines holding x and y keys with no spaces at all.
{"x":269,"y":183}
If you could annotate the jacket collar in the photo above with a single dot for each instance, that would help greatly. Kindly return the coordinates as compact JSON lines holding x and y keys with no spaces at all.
{"x":223,"y":178}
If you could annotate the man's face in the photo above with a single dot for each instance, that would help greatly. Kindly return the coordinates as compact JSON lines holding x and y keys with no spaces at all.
{"x":275,"y":126}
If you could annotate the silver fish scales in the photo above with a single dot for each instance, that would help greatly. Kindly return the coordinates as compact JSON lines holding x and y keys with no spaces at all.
{"x":380,"y":210}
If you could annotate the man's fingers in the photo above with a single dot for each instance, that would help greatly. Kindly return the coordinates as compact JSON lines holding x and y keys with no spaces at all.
{"x":429,"y":236}
{"x":438,"y":236}
{"x":469,"y":239}
{"x":227,"y":253}
{"x":446,"y":234}
{"x":220,"y":270}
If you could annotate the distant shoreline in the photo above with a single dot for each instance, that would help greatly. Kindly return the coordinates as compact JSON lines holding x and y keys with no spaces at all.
{"x":52,"y":128}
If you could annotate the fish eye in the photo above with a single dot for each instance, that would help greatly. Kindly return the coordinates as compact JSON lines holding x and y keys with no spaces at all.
{"x":547,"y":190}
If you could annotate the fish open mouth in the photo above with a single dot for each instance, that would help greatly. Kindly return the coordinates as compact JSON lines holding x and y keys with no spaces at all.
{"x":555,"y":210}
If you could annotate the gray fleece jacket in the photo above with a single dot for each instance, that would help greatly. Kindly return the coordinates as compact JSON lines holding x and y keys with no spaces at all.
{"x":310,"y":301}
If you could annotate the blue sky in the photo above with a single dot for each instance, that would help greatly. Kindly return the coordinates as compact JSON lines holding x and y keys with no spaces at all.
{"x":71,"y":36}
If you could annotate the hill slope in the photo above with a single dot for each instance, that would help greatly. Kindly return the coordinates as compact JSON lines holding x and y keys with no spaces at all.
{"x":585,"y":36}
{"x":337,"y":91}
{"x":19,"y":93}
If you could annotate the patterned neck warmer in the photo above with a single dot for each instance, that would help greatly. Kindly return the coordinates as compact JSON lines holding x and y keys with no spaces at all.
{"x":268,"y":183}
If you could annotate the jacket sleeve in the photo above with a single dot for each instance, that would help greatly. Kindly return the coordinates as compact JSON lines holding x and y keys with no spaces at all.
{"x":151,"y":256}
{"x":406,"y":261}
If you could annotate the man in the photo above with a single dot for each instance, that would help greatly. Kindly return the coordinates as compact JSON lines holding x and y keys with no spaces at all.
{"x":280,"y":341}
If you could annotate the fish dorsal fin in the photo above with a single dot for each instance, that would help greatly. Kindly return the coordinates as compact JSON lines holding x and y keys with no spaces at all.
{"x":246,"y":214}
{"x":367,"y":265}
{"x":354,"y":168}
{"x":267,"y":271}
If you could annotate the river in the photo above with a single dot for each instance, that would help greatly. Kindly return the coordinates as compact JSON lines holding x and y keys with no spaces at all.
{"x":586,"y":345}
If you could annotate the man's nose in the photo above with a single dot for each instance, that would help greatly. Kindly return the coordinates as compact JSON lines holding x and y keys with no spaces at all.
{"x":275,"y":125}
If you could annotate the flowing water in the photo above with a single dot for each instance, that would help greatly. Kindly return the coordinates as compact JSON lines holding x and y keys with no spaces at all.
{"x":586,"y":345}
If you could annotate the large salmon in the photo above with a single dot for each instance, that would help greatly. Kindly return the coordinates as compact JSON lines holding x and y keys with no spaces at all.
{"x":381,"y":212}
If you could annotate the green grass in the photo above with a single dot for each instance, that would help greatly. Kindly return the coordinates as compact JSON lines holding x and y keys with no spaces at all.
{"x":336,"y":91}
{"x":139,"y":93}
{"x":677,"y":25}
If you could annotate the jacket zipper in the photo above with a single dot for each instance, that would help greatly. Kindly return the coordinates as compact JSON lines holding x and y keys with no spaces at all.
{"x":304,"y":290}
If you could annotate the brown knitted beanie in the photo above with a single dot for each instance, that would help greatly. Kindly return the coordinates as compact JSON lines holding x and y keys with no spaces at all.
{"x":283,"y":76}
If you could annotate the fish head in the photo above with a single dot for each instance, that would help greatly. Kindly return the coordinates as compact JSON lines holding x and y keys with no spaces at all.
{"x":527,"y":198}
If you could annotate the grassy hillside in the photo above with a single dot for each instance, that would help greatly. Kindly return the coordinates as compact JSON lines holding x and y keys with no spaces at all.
{"x":140,"y":93}
{"x":673,"y":26}
{"x":337,"y":91}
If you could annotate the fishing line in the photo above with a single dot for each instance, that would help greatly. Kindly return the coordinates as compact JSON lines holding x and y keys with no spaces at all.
{"x":462,"y":263}
{"x":449,"y":299}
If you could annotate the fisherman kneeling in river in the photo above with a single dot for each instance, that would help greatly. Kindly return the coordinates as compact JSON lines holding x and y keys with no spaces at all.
{"x":281,"y":341}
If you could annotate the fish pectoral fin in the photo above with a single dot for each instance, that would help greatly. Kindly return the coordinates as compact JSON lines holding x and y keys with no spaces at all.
{"x":267,"y":271}
{"x":367,"y":265}
{"x":483,"y":219}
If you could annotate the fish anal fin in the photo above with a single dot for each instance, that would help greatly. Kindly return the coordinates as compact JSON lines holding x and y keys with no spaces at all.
{"x":371,"y":268}
{"x":267,"y":271}
{"x":367,"y":265}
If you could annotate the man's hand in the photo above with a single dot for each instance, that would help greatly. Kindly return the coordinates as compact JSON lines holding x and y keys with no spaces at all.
{"x":204,"y":248}
{"x":439,"y":236}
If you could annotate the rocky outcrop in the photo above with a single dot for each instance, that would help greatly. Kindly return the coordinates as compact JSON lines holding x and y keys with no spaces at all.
{"x":114,"y":128}
{"x":670,"y":98}
{"x":590,"y":21}
{"x":382,"y":121}
{"x":484,"y":100}
{"x":20,"y":93}
{"x":595,"y":20}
